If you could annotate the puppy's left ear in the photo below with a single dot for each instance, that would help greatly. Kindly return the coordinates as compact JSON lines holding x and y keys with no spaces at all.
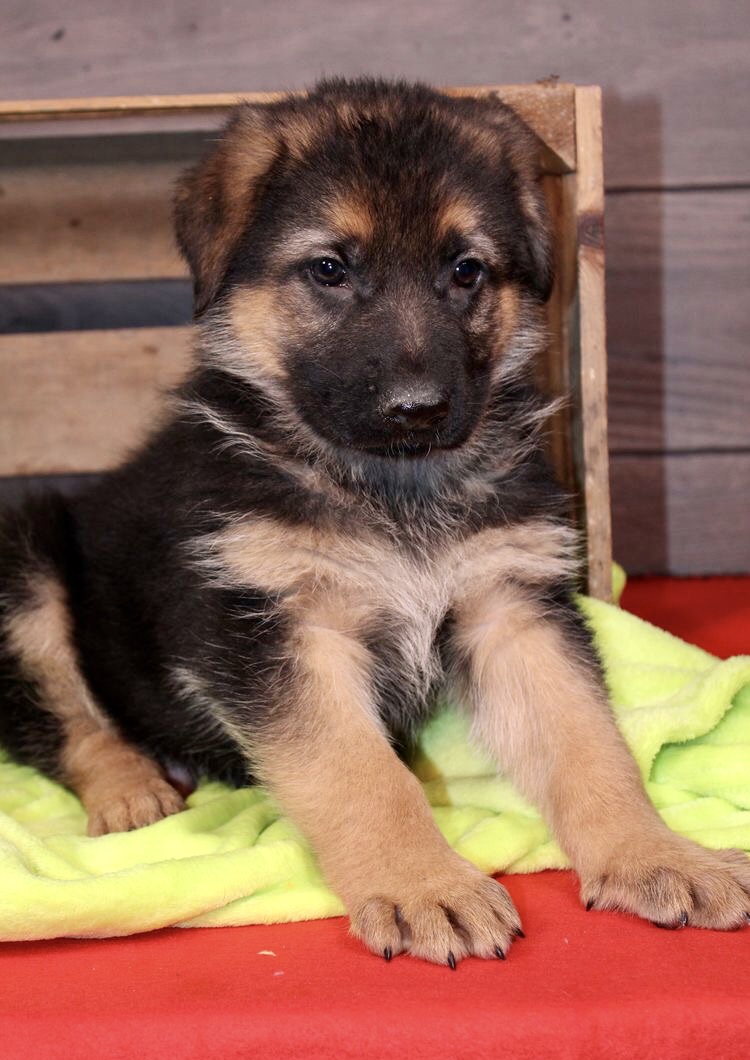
{"x":522,"y":148}
{"x":215,"y":199}
{"x":537,"y":254}
{"x":516,"y":147}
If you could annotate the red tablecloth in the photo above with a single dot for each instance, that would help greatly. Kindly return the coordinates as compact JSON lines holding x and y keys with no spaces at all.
{"x":580,"y":985}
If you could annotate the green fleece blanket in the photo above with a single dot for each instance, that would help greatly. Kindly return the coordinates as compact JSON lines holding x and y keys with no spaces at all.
{"x":230,"y":858}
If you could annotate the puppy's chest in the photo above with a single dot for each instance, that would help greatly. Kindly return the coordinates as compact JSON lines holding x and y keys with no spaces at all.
{"x":348,"y":581}
{"x":363,"y":581}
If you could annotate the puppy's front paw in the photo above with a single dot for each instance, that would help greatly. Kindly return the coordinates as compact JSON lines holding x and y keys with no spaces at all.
{"x":125,"y":809}
{"x":674,"y":883}
{"x":441,"y":918}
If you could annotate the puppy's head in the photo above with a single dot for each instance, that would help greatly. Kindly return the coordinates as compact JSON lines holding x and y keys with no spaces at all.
{"x":372,"y":256}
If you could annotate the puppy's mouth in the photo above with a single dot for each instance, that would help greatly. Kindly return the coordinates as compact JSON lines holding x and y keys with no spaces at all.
{"x":397,"y":440}
{"x":411,"y":445}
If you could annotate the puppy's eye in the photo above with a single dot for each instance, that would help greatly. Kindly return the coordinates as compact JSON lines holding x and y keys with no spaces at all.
{"x":328,"y":271}
{"x":467,"y":273}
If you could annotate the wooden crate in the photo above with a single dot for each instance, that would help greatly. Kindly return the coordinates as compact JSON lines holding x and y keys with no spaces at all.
{"x":73,"y":402}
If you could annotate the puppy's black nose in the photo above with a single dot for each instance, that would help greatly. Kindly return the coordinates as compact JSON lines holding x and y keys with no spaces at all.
{"x":417,"y":409}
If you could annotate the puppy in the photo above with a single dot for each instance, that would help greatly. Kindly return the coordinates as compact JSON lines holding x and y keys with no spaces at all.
{"x":345,"y":509}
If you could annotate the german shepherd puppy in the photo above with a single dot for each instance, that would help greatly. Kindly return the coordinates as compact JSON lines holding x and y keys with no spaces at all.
{"x":345,"y":509}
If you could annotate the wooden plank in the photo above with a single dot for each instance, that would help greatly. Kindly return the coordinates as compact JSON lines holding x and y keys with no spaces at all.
{"x":686,"y":513}
{"x":678,"y":276}
{"x":96,"y":107}
{"x":592,"y":348}
{"x":60,"y":145}
{"x":95,"y":306}
{"x":88,"y":222}
{"x":554,"y":368}
{"x":676,"y":76}
{"x":77,"y":401}
{"x":548,"y":108}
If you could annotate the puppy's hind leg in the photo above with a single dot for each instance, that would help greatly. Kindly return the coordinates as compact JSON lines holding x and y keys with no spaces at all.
{"x":120,"y":787}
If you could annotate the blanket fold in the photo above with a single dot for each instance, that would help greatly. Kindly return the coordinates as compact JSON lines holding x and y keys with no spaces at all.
{"x":231,"y":858}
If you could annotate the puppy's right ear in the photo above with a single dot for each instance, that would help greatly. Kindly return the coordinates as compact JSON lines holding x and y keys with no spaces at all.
{"x":215,"y":199}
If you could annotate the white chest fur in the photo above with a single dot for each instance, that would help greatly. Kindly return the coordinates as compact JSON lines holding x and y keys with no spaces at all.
{"x":354,"y":582}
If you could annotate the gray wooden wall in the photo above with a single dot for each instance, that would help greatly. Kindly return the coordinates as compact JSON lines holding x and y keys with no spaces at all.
{"x":676,"y":76}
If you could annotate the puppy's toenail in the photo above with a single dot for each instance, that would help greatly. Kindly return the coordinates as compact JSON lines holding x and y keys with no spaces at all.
{"x":683,"y":919}
{"x":388,"y":953}
{"x":499,"y":953}
{"x":451,"y":961}
{"x":589,"y":905}
{"x":518,"y":933}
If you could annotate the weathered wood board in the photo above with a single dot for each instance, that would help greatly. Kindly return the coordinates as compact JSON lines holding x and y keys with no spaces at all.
{"x":678,"y":307}
{"x":687,"y":513}
{"x":79,"y":401}
{"x":676,"y":76}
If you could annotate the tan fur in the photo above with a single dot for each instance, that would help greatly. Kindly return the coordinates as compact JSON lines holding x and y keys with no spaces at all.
{"x":365,"y":575}
{"x":278,"y":557}
{"x":261,"y":328}
{"x":459,"y":215}
{"x":483,"y":140}
{"x":306,"y":243}
{"x":351,"y":218}
{"x":349,"y":115}
{"x":535,"y":707}
{"x":40,"y":636}
{"x":519,"y":331}
{"x":506,"y":316}
{"x":497,"y":135}
{"x":255,"y":329}
{"x":301,"y":133}
{"x":120,"y":788}
{"x":360,"y":579}
{"x":367,"y":817}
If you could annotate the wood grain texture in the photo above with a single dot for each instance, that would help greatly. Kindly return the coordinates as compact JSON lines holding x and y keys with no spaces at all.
{"x":88,"y":222}
{"x":682,"y":513}
{"x":590,"y":361}
{"x":549,"y":108}
{"x":96,"y":107}
{"x":554,"y":368}
{"x":676,"y":76}
{"x":78,"y":401}
{"x":678,"y":277}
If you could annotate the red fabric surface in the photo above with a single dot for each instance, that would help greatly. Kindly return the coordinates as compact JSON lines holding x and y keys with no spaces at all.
{"x":713,"y":613}
{"x":580,"y":985}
